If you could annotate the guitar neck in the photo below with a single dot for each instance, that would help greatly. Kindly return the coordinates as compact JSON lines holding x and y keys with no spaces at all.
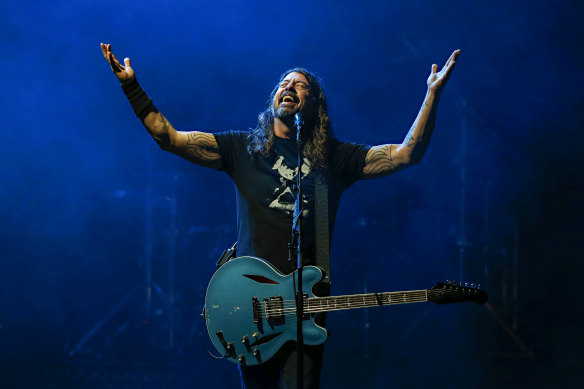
{"x":339,"y":303}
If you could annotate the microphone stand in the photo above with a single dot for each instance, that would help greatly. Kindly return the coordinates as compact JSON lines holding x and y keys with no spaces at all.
{"x":296,"y":244}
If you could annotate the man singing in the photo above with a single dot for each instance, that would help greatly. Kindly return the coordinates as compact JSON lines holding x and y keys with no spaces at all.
{"x":263,"y":164}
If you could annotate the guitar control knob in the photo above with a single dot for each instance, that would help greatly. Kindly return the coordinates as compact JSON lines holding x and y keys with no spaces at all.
{"x":245,"y":340}
{"x":229,"y":350}
{"x":241,"y":359}
{"x":255,"y":335}
{"x":256,"y":353}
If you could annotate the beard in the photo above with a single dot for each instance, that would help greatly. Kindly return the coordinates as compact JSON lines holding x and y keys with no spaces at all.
{"x":284,"y":113}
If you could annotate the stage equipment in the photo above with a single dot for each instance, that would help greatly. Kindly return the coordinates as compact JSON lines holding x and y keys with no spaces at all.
{"x":295,"y":245}
{"x":148,"y":287}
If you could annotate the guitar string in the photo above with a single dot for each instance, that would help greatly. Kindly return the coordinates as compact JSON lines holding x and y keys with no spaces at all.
{"x":290,"y":309}
{"x":351,"y":301}
{"x":293,"y":312}
{"x":361,"y":303}
{"x":325,"y":304}
{"x":360,"y":298}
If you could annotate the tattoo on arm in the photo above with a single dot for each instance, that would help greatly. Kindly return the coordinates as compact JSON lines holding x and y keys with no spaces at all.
{"x":410,"y":140}
{"x":165,"y":123}
{"x":158,"y":127}
{"x":202,"y":147}
{"x":198,"y":147}
{"x":379,"y":161}
{"x":383,"y":160}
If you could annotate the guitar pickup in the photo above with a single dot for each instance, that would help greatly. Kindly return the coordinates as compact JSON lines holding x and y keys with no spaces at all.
{"x":274,"y":309}
{"x":277,"y":306}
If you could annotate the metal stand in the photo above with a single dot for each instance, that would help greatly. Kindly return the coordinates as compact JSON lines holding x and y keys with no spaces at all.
{"x":463,"y":243}
{"x":168,"y":299}
{"x":295,"y":245}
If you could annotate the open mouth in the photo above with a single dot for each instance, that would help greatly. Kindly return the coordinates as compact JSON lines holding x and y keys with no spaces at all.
{"x":288,"y":99}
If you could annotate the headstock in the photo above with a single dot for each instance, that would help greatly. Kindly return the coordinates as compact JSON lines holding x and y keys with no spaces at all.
{"x":453,"y":292}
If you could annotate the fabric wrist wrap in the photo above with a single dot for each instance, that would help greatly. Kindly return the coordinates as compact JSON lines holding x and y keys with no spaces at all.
{"x":139,"y":100}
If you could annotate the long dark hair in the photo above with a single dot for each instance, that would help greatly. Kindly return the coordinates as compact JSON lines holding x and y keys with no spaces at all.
{"x":316,"y":121}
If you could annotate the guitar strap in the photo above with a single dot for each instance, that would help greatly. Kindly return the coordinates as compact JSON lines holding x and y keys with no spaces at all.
{"x":322,"y":235}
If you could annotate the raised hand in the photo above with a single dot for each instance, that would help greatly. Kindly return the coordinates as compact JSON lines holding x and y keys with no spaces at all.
{"x":437,"y":81}
{"x":122,"y":72}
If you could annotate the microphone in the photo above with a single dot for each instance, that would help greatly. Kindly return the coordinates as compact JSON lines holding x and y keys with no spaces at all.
{"x":298,"y":121}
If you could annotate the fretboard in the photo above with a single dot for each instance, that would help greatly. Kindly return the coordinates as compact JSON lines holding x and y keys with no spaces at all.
{"x":338,"y":303}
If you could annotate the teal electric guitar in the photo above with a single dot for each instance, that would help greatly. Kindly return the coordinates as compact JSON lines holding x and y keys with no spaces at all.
{"x":250,"y":308}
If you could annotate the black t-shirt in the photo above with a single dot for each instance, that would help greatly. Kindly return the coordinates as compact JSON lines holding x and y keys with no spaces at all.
{"x":266,"y":193}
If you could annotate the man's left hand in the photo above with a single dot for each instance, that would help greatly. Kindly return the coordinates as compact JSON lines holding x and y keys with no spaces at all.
{"x":437,"y":80}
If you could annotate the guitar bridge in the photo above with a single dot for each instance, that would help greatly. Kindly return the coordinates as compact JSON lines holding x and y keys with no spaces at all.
{"x":256,"y":309}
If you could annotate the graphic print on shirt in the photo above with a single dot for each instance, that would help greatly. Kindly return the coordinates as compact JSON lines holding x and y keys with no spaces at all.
{"x":284,"y":197}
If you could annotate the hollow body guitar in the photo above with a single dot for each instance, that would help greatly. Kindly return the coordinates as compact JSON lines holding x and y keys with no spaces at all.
{"x":250,"y":308}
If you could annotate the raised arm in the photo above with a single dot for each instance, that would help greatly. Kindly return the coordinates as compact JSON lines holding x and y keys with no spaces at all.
{"x":386,"y":159}
{"x":198,"y":147}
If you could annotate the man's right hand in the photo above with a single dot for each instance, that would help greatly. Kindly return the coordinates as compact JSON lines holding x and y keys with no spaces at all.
{"x":198,"y":147}
{"x":123,"y":73}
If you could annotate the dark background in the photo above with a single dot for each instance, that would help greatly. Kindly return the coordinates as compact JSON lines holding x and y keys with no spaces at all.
{"x":88,"y":199}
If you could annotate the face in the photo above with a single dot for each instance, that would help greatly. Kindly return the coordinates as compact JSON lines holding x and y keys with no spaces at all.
{"x":291,"y":96}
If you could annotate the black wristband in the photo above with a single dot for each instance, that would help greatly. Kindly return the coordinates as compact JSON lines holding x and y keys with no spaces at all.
{"x":139,"y":100}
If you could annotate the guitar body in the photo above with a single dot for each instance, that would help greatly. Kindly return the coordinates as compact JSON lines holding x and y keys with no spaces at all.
{"x":250,"y":310}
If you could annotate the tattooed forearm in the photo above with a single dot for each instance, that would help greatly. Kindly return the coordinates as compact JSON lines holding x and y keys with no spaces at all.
{"x":165,"y":124}
{"x":379,"y":161}
{"x":410,"y":141}
{"x":159,"y":128}
{"x":412,"y":137}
